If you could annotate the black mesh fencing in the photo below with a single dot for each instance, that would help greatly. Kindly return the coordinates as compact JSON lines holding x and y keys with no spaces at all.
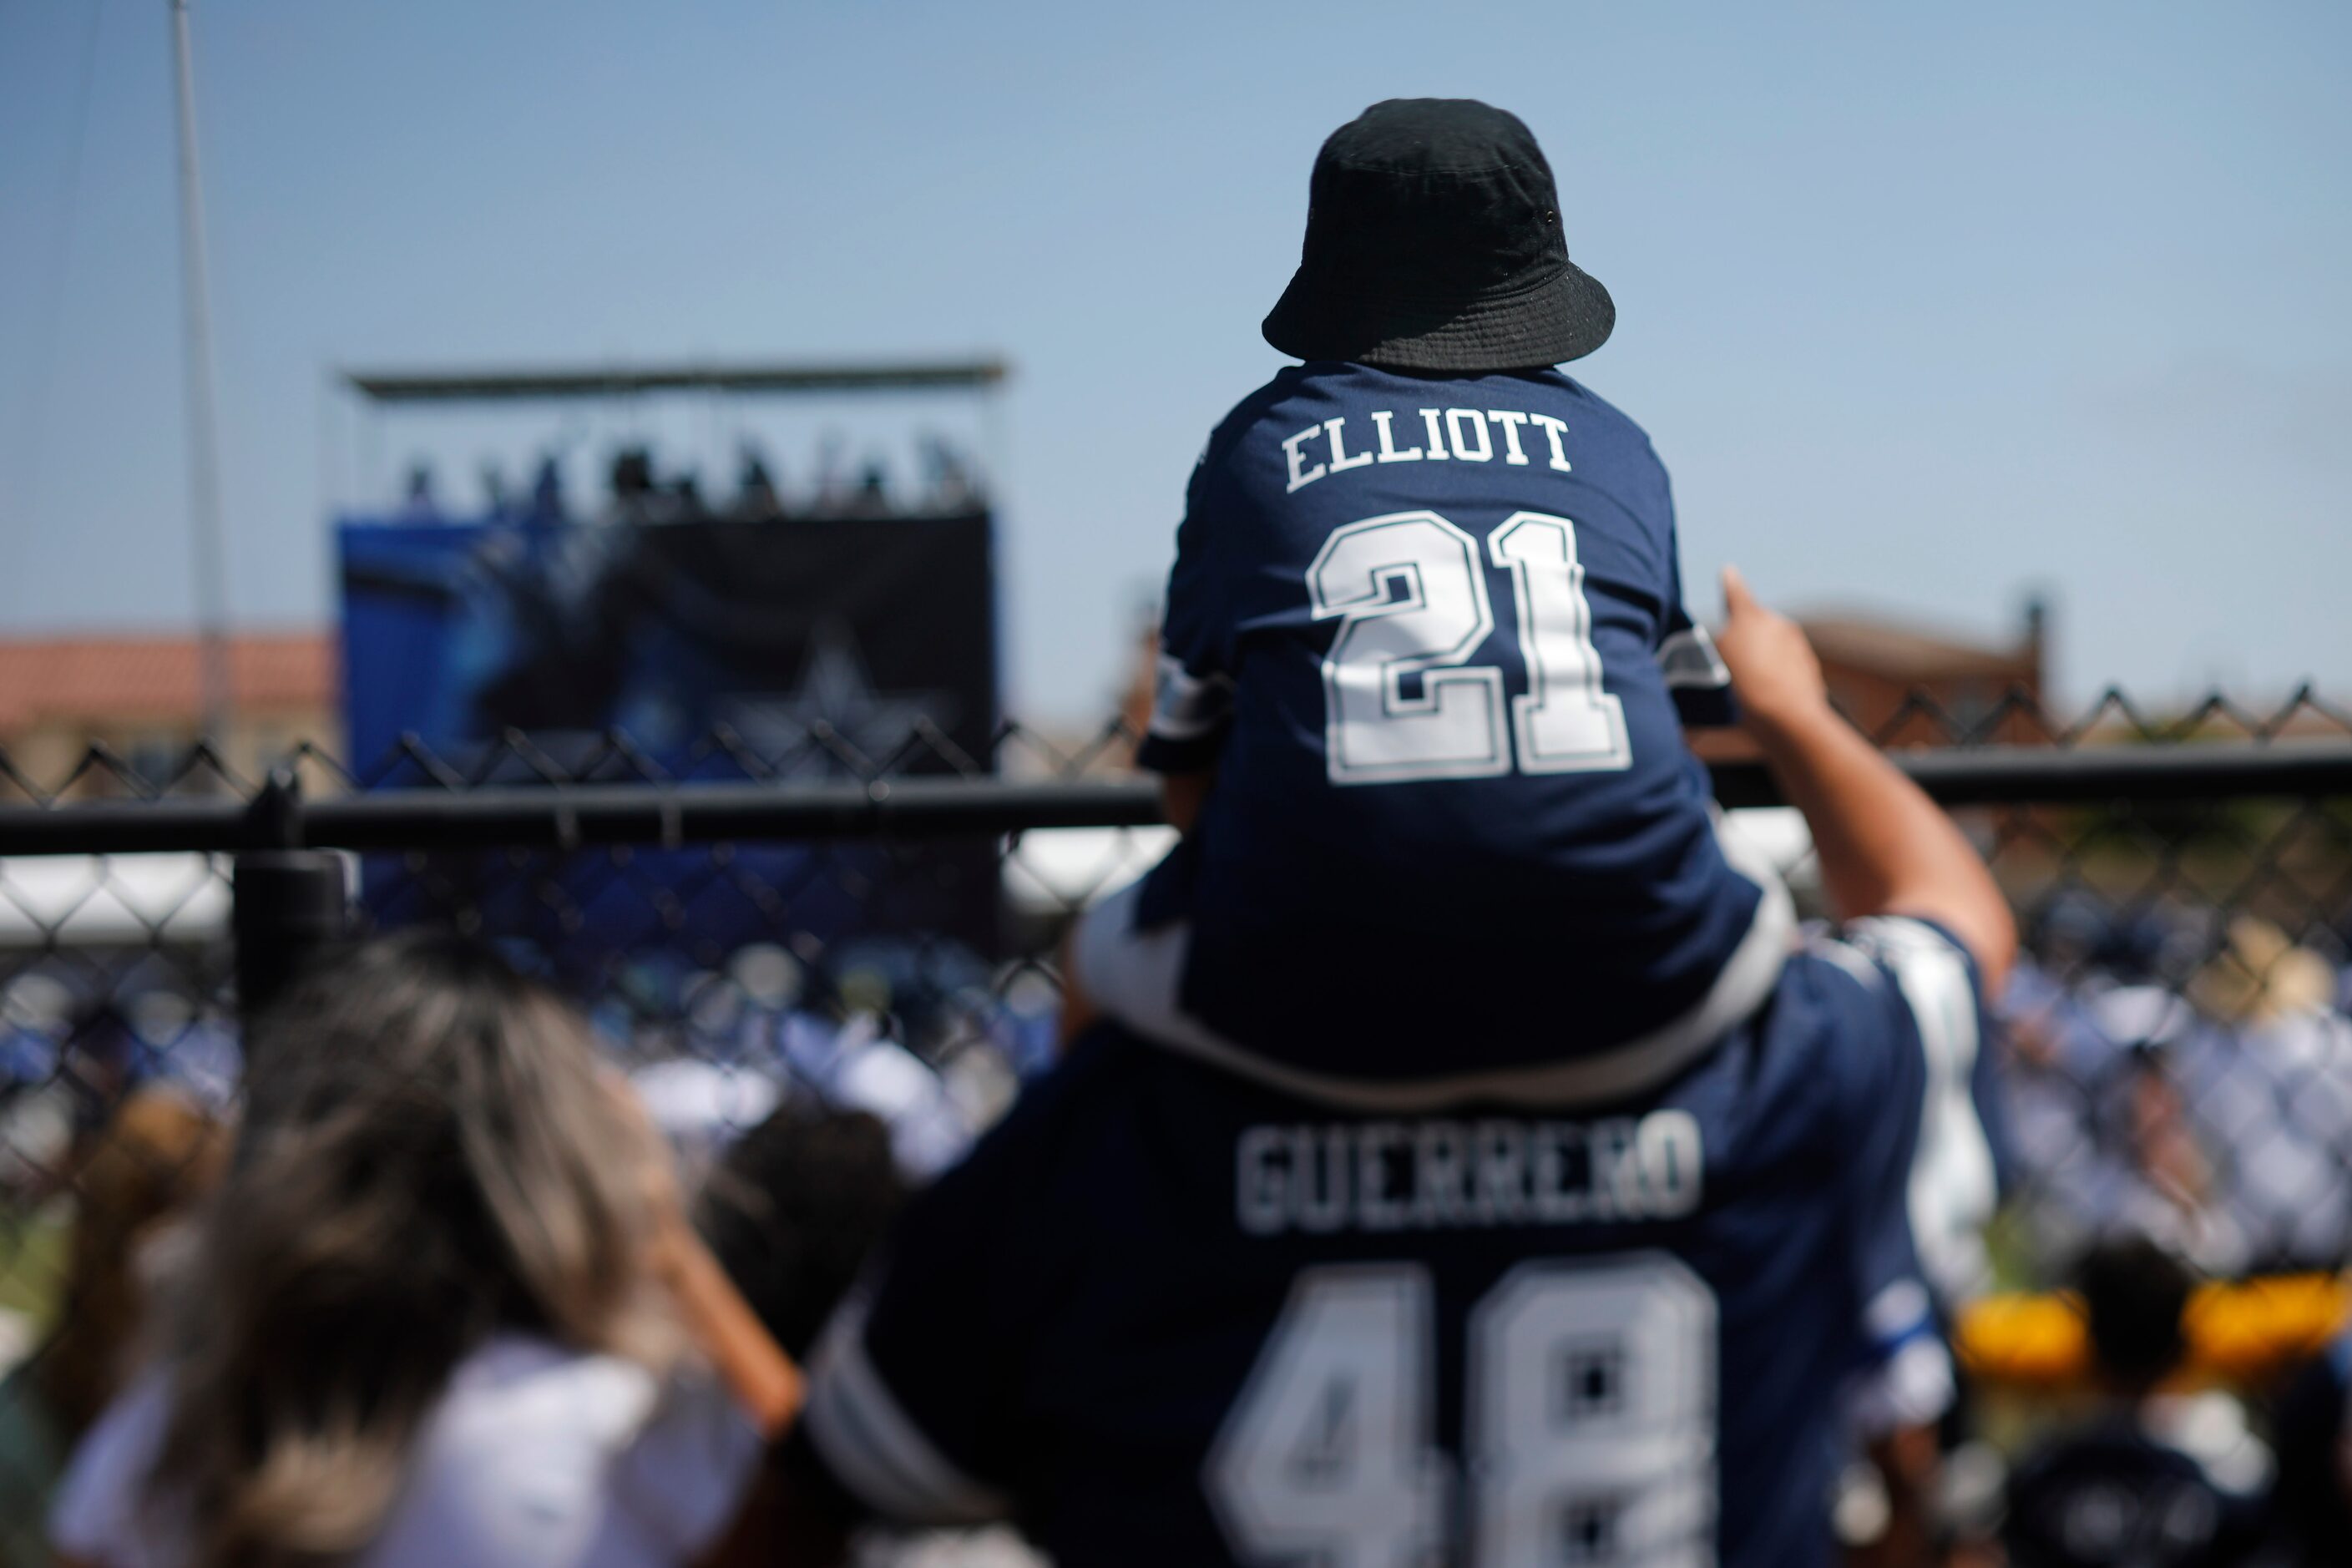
{"x":884,"y":930}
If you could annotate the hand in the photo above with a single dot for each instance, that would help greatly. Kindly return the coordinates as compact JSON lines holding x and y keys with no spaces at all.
{"x":1774,"y":673}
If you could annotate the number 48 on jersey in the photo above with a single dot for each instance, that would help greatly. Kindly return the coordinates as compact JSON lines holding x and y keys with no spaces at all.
{"x":1589,"y":1421}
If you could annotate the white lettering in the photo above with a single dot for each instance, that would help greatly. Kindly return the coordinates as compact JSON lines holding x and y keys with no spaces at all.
{"x":1301,"y":475}
{"x":1260,"y":1193}
{"x":1375,"y":1210}
{"x":1440,"y":1163}
{"x":1553,"y":430}
{"x":1510,"y":419}
{"x":1502,"y":1196}
{"x":1322,"y":1179}
{"x":1340,"y":461}
{"x":1459,"y":419}
{"x":1616,"y":1181}
{"x":1328,"y":1210}
{"x":1389,"y":454}
{"x":1668,"y":1146}
{"x":1453,"y":432}
{"x":1554,"y":1204}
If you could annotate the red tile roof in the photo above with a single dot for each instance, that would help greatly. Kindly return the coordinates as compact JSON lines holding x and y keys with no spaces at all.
{"x":1900,"y":653}
{"x":152,"y":678}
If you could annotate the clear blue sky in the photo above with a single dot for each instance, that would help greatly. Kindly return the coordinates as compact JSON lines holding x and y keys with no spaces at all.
{"x":1922,"y":305}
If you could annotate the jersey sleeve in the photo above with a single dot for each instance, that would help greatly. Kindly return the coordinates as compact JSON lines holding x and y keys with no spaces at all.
{"x":915,"y":1385}
{"x":1192,"y":691}
{"x":1951,"y":1179}
{"x":1695,"y":673}
{"x":1921,"y":1176}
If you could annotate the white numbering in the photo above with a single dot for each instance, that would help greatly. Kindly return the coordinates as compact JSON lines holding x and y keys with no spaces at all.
{"x":1589,"y":1433}
{"x":1565,"y":724}
{"x":1412,"y":592}
{"x":1415,"y":604}
{"x":1592,"y":1416}
{"x":1326,"y":1455}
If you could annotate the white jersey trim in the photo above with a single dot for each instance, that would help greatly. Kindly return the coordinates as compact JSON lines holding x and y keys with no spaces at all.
{"x":1953,"y":1190}
{"x":1134,"y":977}
{"x":1688,"y":659}
{"x":1185,"y":706}
{"x":872,"y":1447}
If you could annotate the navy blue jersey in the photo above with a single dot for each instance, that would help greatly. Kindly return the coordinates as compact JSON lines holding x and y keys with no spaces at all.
{"x":1166,"y":1314}
{"x":2311,"y":1428}
{"x":1430,"y":634}
{"x":2115,"y":1496}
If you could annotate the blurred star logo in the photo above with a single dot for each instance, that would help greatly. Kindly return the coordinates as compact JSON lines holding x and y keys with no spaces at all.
{"x":836,"y":698}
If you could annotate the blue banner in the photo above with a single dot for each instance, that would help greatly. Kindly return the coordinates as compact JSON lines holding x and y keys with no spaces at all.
{"x":807,"y":649}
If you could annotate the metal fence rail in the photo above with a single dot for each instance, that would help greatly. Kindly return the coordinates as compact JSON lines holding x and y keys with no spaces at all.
{"x":569,"y":815}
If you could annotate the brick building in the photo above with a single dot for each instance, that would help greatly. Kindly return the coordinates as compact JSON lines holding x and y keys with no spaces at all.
{"x":1904,"y":687}
{"x":142,"y":698}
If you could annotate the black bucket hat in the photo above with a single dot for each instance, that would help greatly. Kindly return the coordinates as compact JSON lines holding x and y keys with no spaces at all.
{"x":1433,"y":243}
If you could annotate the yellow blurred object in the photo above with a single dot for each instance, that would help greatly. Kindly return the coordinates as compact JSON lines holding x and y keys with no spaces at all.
{"x":2032,"y":1341}
{"x":2262,"y":976}
{"x":2244,"y":1332}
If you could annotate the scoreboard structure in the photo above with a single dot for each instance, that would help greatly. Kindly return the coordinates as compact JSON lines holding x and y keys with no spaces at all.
{"x":663,"y":639}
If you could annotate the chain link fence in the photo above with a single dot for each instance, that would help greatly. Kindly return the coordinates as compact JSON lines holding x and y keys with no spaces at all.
{"x":882,"y":931}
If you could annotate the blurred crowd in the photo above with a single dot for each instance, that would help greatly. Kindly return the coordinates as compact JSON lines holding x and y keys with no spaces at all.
{"x":2171,"y":1076}
{"x":2173,"y":1094}
{"x":2177,"y":1095}
{"x":923,"y":1033}
{"x":946,"y":483}
{"x":486,"y":1191}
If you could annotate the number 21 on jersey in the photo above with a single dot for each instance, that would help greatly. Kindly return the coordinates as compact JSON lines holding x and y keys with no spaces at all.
{"x":1411,"y":594}
{"x":1589,"y":1421}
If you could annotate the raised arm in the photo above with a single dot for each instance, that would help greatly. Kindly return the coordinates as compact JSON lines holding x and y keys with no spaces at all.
{"x":1884,"y":848}
{"x":753,"y":1367}
{"x":746,"y":1357}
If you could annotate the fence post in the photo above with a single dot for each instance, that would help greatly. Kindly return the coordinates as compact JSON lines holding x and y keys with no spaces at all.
{"x":287,"y":903}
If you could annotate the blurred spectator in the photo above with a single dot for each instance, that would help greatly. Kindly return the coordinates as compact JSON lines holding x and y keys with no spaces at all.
{"x":640,"y":493}
{"x":547,"y":491}
{"x":2311,"y":1506}
{"x":154,"y":1161}
{"x":857,"y":1067}
{"x":2114,"y":1494}
{"x":872,"y":496}
{"x":152,"y":1037}
{"x":2223,"y":1129}
{"x":2102,"y":1142}
{"x":755,"y":489}
{"x":793,"y":1209}
{"x":441,"y":1312}
{"x":100,"y":1063}
{"x":948,"y":479}
{"x":419,"y":504}
{"x":2272,"y":1086}
{"x":634,"y":491}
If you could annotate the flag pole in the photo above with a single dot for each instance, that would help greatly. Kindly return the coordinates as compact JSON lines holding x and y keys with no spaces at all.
{"x":207,"y":545}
